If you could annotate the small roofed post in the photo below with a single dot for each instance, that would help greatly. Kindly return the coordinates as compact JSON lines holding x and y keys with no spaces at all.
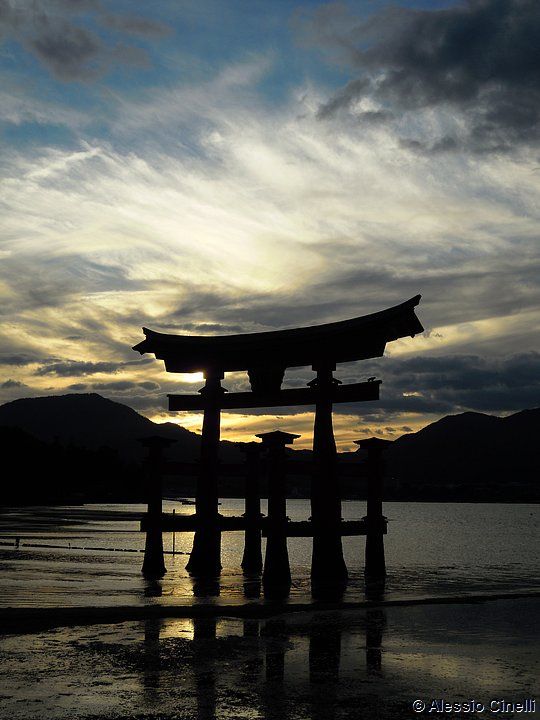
{"x":375,"y":566}
{"x":205,"y":559}
{"x":153,"y":564}
{"x":328,"y":569}
{"x":277,"y":572}
{"x":252,"y":558}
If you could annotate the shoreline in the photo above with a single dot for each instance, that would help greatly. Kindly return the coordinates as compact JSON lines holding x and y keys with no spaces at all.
{"x":19,"y":621}
{"x":421,"y":501}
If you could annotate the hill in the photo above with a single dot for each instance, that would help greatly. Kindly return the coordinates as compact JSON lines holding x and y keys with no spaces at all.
{"x":85,"y":447}
{"x":92,"y":421}
{"x":471,"y":456}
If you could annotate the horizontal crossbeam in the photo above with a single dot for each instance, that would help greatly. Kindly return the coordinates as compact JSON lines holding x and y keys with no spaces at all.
{"x":353,"y":392}
{"x":303,"y":528}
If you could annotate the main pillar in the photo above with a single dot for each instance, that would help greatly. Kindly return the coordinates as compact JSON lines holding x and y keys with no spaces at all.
{"x":328,"y":569}
{"x":153,"y":564}
{"x":375,"y":566}
{"x":252,"y":558}
{"x":276,"y":573}
{"x":205,"y":556}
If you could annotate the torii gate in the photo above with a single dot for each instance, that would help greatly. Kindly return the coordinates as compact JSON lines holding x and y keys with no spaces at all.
{"x":265,"y":356}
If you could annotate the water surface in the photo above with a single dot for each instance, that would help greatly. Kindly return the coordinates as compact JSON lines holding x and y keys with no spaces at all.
{"x":431,"y":550}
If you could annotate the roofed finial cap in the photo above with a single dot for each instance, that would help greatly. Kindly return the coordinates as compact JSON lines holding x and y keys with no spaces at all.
{"x":277,"y":437}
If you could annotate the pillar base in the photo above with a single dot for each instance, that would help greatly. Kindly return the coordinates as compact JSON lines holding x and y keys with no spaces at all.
{"x":154,"y":568}
{"x":328,"y":570}
{"x":277,"y":572}
{"x":153,"y":563}
{"x":205,"y":558}
{"x":375,"y":566}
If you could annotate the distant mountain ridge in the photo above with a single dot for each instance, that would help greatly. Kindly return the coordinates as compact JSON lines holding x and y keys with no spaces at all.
{"x":471,"y":456}
{"x":90,"y":420}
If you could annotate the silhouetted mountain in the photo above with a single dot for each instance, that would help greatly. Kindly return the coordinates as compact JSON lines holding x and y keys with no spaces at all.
{"x":83,"y":446}
{"x":469,"y":456}
{"x":90,"y":420}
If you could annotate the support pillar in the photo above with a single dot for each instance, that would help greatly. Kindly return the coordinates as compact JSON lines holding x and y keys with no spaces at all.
{"x":252,"y":558}
{"x":328,"y":569}
{"x":153,"y":564}
{"x":205,"y":556}
{"x":375,"y":566}
{"x":277,"y":572}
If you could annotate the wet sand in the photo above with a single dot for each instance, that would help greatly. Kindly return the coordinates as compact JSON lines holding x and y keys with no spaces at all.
{"x":362,"y":662}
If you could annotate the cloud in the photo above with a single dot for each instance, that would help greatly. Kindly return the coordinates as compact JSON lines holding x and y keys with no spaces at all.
{"x":69,"y":52}
{"x":135,"y":24}
{"x":112,"y":387}
{"x":454,"y":383}
{"x":59,"y":35}
{"x":76,"y":368}
{"x":10,"y":384}
{"x":6,"y":359}
{"x":476,"y":63}
{"x":258,"y":216}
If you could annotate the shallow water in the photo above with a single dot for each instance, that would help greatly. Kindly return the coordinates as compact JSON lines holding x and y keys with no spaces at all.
{"x":431,"y":550}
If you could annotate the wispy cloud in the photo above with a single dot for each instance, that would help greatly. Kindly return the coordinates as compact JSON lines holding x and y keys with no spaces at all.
{"x":206,"y":207}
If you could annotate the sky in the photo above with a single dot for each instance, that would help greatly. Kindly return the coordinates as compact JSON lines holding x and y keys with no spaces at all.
{"x":213,"y":168}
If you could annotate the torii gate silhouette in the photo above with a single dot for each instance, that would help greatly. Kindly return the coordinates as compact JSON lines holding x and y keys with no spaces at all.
{"x":265,"y":356}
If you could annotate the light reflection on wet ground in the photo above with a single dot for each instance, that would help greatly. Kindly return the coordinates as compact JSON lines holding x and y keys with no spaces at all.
{"x":371,"y":663}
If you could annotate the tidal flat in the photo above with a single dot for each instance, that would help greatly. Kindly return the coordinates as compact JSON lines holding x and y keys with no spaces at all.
{"x":371,"y":662}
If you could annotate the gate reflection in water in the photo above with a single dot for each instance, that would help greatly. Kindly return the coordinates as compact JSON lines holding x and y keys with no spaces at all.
{"x":270,"y":668}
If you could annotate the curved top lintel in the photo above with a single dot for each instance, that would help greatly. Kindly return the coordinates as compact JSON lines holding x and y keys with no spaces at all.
{"x":355,"y":339}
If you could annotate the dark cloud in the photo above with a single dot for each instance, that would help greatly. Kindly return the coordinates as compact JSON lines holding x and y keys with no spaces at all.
{"x":118,"y":386}
{"x":453,"y":383}
{"x":148,"y":404}
{"x":20,"y":359}
{"x":211,"y":328}
{"x":10,"y":384}
{"x":479,"y":58}
{"x":77,"y":368}
{"x":70,"y":52}
{"x":57,"y":33}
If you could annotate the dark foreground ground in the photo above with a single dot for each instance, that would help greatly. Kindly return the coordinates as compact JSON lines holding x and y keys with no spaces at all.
{"x":365,"y":663}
